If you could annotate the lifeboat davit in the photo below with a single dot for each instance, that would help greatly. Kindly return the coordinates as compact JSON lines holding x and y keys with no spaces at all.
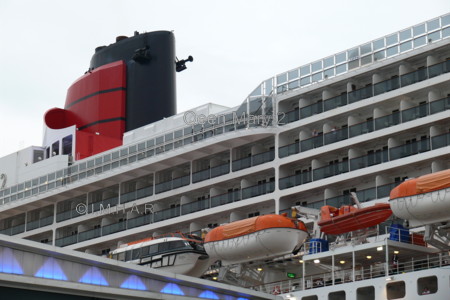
{"x":349,"y":218}
{"x":255,"y":238}
{"x":423,"y":200}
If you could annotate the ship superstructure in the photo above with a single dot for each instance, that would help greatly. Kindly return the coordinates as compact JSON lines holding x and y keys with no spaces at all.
{"x":360,"y":121}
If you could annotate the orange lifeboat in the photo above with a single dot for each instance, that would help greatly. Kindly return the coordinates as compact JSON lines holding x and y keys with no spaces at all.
{"x":423,"y":200}
{"x":255,"y":238}
{"x":349,"y":218}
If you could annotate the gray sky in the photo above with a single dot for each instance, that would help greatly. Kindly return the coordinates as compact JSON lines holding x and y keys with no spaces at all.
{"x":46,"y":45}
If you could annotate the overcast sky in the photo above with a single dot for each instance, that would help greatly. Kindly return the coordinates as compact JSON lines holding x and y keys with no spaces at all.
{"x":46,"y":45}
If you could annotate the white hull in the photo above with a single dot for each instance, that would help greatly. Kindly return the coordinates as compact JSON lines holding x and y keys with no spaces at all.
{"x":255,"y":246}
{"x":189,"y":263}
{"x":423,"y":209}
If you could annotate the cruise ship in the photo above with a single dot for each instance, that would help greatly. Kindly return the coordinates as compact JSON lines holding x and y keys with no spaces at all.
{"x":342,"y":136}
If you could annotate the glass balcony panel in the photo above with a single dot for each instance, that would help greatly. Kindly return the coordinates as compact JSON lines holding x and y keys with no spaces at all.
{"x":144,"y":192}
{"x":387,"y":121}
{"x":366,"y":195}
{"x":385,"y":190}
{"x":413,"y":77}
{"x":181,"y":181}
{"x":338,"y":201}
{"x":311,"y":143}
{"x":415,"y":113}
{"x":127,"y":197}
{"x":32,"y":225}
{"x":336,"y":136}
{"x":310,"y":110}
{"x":195,"y":206}
{"x":257,"y":190}
{"x":330,"y":170}
{"x":409,"y":149}
{"x":89,"y":235}
{"x":361,"y":128}
{"x":440,"y":141}
{"x":163,"y":187}
{"x":334,"y":102}
{"x":46,"y":221}
{"x":226,"y":198}
{"x":65,"y":241}
{"x":139,"y":221}
{"x":201,"y":175}
{"x":220,"y":170}
{"x":112,"y":228}
{"x":264,"y":157}
{"x":440,"y":105}
{"x":289,"y":150}
{"x":438,"y":69}
{"x":368,"y":160}
{"x":386,"y":86}
{"x":360,"y":94}
{"x":290,"y":116}
{"x":242,"y":163}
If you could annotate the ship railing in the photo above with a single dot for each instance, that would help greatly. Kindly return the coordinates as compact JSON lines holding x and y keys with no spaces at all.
{"x":357,"y":273}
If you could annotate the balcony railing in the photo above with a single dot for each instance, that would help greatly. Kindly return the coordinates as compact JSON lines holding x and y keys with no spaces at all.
{"x":365,"y":161}
{"x":289,"y":150}
{"x":253,"y":160}
{"x":373,"y":90}
{"x":211,"y":173}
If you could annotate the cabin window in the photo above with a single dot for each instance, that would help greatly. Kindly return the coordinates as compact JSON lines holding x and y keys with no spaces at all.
{"x":136,"y":253}
{"x":128,"y":255}
{"x":340,"y":295}
{"x":176,"y":245}
{"x":163,"y":247}
{"x":67,"y":145}
{"x":55,"y":148}
{"x":121,"y":256}
{"x":427,"y":285}
{"x":153,"y":249}
{"x":310,"y":298}
{"x":395,"y":290}
{"x":144,"y":251}
{"x":365,"y":293}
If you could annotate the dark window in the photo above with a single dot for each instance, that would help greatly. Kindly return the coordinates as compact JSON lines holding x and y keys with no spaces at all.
{"x":145,"y":251}
{"x":67,"y":145}
{"x":153,"y":249}
{"x":128,"y":255}
{"x":163,"y":247}
{"x":427,"y":285}
{"x":395,"y":290}
{"x":136,"y":253}
{"x":55,"y":148}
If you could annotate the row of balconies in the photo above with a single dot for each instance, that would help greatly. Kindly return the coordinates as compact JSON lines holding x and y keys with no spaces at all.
{"x":310,"y":174}
{"x":336,"y":135}
{"x":352,"y":95}
{"x":169,"y":213}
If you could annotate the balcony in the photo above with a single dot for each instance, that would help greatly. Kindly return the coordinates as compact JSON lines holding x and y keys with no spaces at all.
{"x":311,"y":143}
{"x":211,"y":173}
{"x":226,"y":198}
{"x":334,"y":102}
{"x":172,"y":184}
{"x":311,"y":110}
{"x":360,"y":94}
{"x":294,"y":180}
{"x":290,"y":149}
{"x":135,"y":195}
{"x":253,"y":160}
{"x":361,"y":128}
{"x":40,"y":223}
{"x":195,"y":206}
{"x":258,"y":190}
{"x":336,"y":136}
{"x":409,"y":149}
{"x":330,"y":170}
{"x":368,"y":160}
